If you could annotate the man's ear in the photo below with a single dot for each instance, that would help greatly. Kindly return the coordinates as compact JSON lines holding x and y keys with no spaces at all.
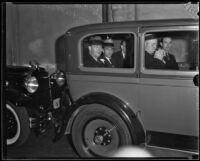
{"x":161,"y":44}
{"x":89,"y":47}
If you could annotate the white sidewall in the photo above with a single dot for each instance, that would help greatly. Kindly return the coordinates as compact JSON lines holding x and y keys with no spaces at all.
{"x":16,"y":137}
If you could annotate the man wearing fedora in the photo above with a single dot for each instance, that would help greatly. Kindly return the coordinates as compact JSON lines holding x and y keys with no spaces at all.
{"x":153,"y":58}
{"x":91,"y":59}
{"x":108,"y":52}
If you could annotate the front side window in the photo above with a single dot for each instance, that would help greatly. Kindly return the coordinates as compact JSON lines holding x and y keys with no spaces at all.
{"x":172,"y":50}
{"x":108,"y":51}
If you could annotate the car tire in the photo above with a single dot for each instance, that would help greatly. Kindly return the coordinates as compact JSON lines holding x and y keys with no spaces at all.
{"x":97,"y":130}
{"x":17,"y":128}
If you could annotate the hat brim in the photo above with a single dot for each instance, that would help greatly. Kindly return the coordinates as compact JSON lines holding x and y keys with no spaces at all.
{"x":95,"y":42}
{"x":150,"y":36}
{"x":108,"y":45}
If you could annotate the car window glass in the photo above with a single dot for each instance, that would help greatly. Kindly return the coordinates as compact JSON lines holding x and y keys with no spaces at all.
{"x":172,"y":50}
{"x":108,"y":51}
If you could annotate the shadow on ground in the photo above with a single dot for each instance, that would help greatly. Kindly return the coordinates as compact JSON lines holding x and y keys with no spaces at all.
{"x":42,"y":147}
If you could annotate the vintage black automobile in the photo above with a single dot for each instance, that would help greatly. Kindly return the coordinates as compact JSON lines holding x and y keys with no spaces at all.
{"x":32,"y":102}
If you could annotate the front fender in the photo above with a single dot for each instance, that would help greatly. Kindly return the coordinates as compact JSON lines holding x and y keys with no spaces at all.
{"x":134,"y":125}
{"x":17,"y":97}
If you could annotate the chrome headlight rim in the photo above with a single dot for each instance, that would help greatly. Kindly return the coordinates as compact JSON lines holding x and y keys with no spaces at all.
{"x":7,"y":83}
{"x":60,"y":78}
{"x":31,"y":84}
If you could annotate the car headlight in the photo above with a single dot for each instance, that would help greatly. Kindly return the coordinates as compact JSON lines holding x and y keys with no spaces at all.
{"x":7,"y":83}
{"x":60,"y":78}
{"x":31,"y":84}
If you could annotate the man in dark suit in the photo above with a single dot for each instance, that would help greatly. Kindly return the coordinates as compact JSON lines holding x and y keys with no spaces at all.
{"x":169,"y":59}
{"x":120,"y":57}
{"x":153,"y":58}
{"x":108,"y":52}
{"x":91,"y":59}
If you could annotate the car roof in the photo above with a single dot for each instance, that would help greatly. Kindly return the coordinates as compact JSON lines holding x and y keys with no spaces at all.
{"x":138,"y":23}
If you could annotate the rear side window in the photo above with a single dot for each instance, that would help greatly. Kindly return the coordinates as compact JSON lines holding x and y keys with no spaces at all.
{"x":108,"y":51}
{"x":172,"y":50}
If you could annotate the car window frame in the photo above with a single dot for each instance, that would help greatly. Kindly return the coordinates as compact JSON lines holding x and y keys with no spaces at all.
{"x":106,"y":69}
{"x":161,"y":71}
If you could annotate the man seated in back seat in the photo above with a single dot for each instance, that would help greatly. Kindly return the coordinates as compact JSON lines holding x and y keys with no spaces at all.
{"x":168,"y":59}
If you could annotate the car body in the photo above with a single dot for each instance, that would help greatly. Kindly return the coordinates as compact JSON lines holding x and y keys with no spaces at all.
{"x":154,"y":107}
{"x":32,"y":101}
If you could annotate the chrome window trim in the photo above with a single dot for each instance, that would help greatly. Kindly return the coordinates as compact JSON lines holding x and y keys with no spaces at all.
{"x":160,"y":71}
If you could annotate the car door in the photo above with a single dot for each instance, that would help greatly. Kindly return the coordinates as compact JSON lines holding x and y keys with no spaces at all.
{"x":169,"y":98}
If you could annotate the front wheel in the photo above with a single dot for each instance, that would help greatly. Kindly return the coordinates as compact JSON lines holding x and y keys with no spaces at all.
{"x":18,"y":129}
{"x":98,"y":131}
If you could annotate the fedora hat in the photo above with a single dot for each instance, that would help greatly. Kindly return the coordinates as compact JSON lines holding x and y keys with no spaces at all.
{"x":150,"y":36}
{"x":108,"y":42}
{"x":96,"y":40}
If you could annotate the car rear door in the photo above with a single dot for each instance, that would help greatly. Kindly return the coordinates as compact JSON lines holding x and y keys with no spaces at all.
{"x":169,"y":98}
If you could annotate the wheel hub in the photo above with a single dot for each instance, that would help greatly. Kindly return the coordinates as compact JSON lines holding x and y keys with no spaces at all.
{"x":102,"y":136}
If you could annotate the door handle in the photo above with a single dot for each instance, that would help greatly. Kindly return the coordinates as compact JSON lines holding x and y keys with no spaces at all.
{"x":196,"y":80}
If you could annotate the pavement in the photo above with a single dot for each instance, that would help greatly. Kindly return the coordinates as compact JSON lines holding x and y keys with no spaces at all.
{"x":42,"y":147}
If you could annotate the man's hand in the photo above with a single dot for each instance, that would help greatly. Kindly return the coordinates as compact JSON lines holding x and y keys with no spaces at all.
{"x":159,"y":54}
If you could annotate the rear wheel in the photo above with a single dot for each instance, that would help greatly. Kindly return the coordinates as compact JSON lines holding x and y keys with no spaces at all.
{"x":18,"y":129}
{"x":98,"y":131}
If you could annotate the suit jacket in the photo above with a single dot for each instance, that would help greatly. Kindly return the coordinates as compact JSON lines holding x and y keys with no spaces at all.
{"x":106,"y":63}
{"x":153,"y":63}
{"x":171,"y":62}
{"x":121,"y":62}
{"x":117,"y":59}
{"x":89,"y":61}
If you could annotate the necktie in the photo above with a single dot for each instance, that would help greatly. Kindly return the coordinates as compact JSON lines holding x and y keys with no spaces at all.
{"x":166,"y":58}
{"x":108,"y":60}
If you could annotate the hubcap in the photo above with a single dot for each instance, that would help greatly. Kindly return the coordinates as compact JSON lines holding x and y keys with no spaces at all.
{"x":100,"y":137}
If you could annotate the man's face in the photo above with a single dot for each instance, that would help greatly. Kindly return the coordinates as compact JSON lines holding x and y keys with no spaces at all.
{"x":123,"y":47}
{"x":151,"y":45}
{"x":166,"y":44}
{"x":95,"y":50}
{"x":108,"y":51}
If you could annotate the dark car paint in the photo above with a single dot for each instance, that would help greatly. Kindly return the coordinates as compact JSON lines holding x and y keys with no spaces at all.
{"x":16,"y":77}
{"x":38,"y":104}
